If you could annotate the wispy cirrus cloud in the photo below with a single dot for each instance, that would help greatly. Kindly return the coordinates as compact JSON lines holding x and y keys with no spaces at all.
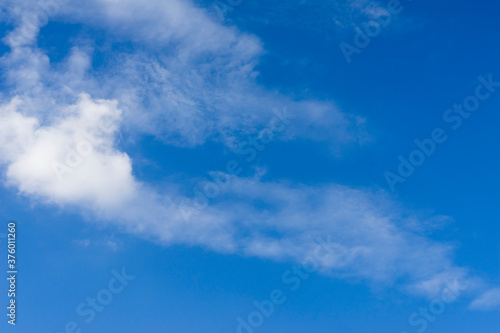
{"x":489,"y":300}
{"x":200,"y":75}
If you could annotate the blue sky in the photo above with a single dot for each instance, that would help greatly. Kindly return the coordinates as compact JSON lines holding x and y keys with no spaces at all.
{"x":222,"y":166}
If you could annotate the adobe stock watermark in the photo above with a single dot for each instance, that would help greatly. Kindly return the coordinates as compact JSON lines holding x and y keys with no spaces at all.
{"x":420,"y":319}
{"x":292,"y":279}
{"x":369,"y":30}
{"x":209,"y":190}
{"x":12,"y":270}
{"x":453,"y":116}
{"x":87,"y":310}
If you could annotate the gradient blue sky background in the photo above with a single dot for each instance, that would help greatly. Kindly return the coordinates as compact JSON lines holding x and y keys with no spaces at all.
{"x":209,"y":85}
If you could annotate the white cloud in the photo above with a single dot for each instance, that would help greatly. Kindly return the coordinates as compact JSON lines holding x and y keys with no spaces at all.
{"x":487,"y":301}
{"x":109,"y":243}
{"x":365,"y":226}
{"x":187,"y":80}
{"x":82,"y":242}
{"x":327,"y":20}
{"x":71,"y":160}
{"x":199,"y":84}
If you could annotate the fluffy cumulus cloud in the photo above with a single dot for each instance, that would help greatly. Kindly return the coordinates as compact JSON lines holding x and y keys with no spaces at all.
{"x":71,"y":160}
{"x":186,"y":80}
